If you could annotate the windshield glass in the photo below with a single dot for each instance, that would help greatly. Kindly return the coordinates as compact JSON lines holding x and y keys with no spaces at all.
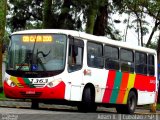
{"x":40,"y":52}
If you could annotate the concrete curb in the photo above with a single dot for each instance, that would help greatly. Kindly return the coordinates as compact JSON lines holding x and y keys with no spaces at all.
{"x":14,"y":100}
{"x":29,"y":101}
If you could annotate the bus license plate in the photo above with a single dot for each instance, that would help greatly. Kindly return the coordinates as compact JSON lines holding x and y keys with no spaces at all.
{"x":30,"y":92}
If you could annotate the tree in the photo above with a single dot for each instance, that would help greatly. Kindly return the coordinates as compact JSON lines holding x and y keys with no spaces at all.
{"x":58,"y":14}
{"x":91,"y":15}
{"x":101,"y":20}
{"x":158,"y":49}
{"x":140,"y":9}
{"x":134,"y":7}
{"x":65,"y":20}
{"x":47,"y":14}
{"x":24,"y":14}
{"x":158,"y":58}
{"x":3,"y":7}
{"x":66,"y":14}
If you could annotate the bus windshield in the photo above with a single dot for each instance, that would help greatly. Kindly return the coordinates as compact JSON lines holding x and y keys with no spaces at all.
{"x":38,"y":52}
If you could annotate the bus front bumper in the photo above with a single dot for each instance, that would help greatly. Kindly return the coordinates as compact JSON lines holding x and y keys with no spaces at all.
{"x":57,"y":92}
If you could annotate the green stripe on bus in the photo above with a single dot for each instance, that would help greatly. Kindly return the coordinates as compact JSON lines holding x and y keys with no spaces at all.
{"x":116,"y":87}
{"x":26,"y":80}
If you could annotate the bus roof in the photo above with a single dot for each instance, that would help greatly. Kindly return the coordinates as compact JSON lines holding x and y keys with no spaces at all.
{"x":89,"y":37}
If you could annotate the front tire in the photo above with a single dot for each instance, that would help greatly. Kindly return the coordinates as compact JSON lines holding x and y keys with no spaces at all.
{"x":88,"y":101}
{"x":34,"y":104}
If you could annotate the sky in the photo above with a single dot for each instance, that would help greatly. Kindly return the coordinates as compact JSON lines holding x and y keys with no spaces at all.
{"x":132,"y":37}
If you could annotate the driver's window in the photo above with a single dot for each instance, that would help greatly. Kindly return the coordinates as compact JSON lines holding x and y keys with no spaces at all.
{"x":75,"y":56}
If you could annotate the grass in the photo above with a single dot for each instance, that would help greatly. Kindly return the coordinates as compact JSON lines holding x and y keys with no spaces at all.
{"x":158,"y":106}
{"x":148,"y":106}
{"x":2,"y":96}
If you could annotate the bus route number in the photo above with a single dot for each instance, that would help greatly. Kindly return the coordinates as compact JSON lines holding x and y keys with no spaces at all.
{"x":39,"y":81}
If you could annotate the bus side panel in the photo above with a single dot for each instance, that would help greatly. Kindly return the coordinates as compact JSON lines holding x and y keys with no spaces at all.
{"x":130,"y":85}
{"x":123,"y":88}
{"x":117,"y":87}
{"x":75,"y":79}
{"x":145,"y":97}
{"x":146,"y":86}
{"x":98,"y":78}
{"x":109,"y":86}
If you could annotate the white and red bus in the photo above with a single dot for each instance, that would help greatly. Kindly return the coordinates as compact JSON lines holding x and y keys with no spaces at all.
{"x":71,"y":67}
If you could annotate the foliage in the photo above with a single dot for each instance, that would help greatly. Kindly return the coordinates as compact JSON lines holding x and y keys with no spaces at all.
{"x":153,"y":45}
{"x":23,"y":13}
{"x":2,"y":30}
{"x":2,"y":96}
{"x":91,"y":16}
{"x":82,"y":15}
{"x":2,"y":17}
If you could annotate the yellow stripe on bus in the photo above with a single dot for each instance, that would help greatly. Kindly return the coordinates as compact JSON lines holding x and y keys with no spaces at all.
{"x":15,"y":80}
{"x":129,"y":86}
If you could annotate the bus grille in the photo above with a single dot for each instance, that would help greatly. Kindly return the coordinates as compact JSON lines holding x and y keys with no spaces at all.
{"x":36,"y":95}
{"x":30,"y":85}
{"x":39,"y":85}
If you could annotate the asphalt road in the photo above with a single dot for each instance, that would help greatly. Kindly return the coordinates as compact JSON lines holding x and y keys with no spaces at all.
{"x":16,"y":110}
{"x":53,"y":114}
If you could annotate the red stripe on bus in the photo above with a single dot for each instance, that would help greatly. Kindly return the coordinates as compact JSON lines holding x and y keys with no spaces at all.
{"x":145,"y":83}
{"x":109,"y":86}
{"x":21,"y":81}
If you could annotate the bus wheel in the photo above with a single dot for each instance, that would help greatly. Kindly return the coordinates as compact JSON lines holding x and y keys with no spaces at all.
{"x":87,"y":104}
{"x":131,"y":103}
{"x":130,"y":107}
{"x":34,"y":104}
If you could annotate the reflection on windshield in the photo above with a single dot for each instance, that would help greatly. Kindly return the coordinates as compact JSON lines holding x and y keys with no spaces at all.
{"x":25,"y":55}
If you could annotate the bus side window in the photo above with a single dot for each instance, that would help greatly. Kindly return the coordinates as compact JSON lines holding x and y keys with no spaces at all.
{"x":111,"y":55}
{"x":95,"y":55}
{"x":151,"y":70}
{"x":75,"y":56}
{"x":127,"y":60}
{"x":141,"y":63}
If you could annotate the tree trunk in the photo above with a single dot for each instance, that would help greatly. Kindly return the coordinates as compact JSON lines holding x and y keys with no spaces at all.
{"x":152,"y":33}
{"x":101,"y":21}
{"x":138,"y":33}
{"x":139,"y":27}
{"x":126,"y":32}
{"x":47,"y":15}
{"x":141,"y":30}
{"x":91,"y":15}
{"x":3,"y":5}
{"x":158,"y":49}
{"x":158,"y":58}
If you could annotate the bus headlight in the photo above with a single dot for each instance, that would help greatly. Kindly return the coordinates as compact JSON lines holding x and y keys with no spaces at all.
{"x":53,"y":83}
{"x":10,"y":83}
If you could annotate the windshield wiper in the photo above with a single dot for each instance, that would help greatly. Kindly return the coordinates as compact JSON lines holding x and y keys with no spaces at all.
{"x":31,"y":62}
{"x":39,"y":59}
{"x":41,"y":52}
